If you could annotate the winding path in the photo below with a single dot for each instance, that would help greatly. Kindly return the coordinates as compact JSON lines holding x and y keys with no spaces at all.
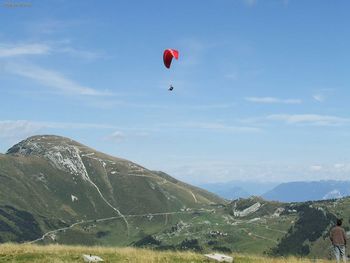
{"x":112,"y":218}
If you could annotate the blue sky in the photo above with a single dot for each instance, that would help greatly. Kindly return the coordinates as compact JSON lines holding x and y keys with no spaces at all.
{"x":261,"y":87}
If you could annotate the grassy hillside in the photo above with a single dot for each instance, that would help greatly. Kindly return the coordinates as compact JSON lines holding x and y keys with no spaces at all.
{"x":64,"y":254}
{"x":57,"y":182}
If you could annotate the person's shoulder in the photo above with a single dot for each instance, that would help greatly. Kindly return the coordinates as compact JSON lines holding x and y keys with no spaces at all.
{"x":335,"y":228}
{"x":339,"y":229}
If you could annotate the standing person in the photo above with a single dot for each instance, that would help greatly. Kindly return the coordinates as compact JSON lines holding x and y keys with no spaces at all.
{"x":338,"y":238}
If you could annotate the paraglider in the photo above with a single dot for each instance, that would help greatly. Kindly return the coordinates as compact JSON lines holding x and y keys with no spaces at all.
{"x":168,"y":56}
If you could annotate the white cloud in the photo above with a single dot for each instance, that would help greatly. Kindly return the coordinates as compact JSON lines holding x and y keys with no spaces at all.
{"x":84,"y":54}
{"x":23,"y":49}
{"x":195,"y":169}
{"x":53,"y":79}
{"x":208,"y":106}
{"x":316,"y":168}
{"x":12,"y":131}
{"x":309,"y":119}
{"x":319,"y":97}
{"x":119,"y":136}
{"x":51,"y":26}
{"x":341,"y":168}
{"x":18,"y":129}
{"x":74,"y":125}
{"x":116,"y":136}
{"x":199,"y":107}
{"x":273,"y":100}
{"x":214,"y":126}
{"x":10,"y":50}
{"x":23,"y":128}
{"x":339,"y":165}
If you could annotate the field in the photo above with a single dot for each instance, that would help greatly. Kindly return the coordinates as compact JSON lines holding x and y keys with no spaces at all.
{"x":67,"y":254}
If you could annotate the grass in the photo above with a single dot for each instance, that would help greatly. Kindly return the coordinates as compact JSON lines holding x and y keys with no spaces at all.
{"x":70,"y":254}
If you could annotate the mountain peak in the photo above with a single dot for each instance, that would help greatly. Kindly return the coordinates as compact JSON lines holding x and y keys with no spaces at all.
{"x":63,"y":153}
{"x":39,"y":143}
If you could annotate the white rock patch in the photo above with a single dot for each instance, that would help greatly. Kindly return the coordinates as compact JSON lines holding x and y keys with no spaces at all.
{"x":74,"y":198}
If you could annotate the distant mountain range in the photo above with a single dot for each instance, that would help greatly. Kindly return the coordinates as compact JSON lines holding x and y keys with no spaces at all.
{"x":284,"y":192}
{"x":308,"y":191}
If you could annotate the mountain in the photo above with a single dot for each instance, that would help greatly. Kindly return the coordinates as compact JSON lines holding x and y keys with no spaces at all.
{"x":54,"y":182}
{"x":54,"y":190}
{"x":238,"y":189}
{"x":308,"y":191}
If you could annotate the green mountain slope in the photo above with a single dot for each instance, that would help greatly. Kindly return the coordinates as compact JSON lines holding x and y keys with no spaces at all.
{"x":61,"y":182}
{"x":55,"y":190}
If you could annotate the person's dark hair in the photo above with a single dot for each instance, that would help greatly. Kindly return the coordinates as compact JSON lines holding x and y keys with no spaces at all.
{"x":339,"y":222}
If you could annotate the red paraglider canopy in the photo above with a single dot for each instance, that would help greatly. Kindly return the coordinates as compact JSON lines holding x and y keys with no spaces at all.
{"x":168,"y":56}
